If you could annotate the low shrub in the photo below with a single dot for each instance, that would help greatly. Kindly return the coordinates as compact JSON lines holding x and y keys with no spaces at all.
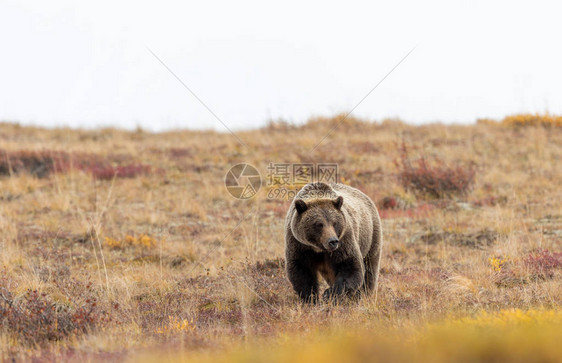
{"x":529,"y":119}
{"x":41,"y":164}
{"x":124,"y":171}
{"x":141,"y":241}
{"x":434,"y":179}
{"x":35,"y":319}
{"x":36,"y":163}
{"x":544,"y":262}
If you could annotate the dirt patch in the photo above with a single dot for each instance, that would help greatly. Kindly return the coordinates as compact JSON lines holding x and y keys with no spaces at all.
{"x":549,"y":225}
{"x":481,"y":239}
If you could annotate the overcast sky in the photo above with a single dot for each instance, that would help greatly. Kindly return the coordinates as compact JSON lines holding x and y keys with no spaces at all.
{"x":87,"y":64}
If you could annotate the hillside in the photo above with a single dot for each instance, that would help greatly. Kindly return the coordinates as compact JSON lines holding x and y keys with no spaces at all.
{"x":117,"y":244}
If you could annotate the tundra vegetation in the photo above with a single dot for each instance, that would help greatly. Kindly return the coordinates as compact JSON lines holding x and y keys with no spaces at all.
{"x":120,"y":245}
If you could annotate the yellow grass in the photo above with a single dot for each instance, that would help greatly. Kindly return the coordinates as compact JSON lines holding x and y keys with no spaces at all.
{"x":507,"y":335}
{"x":533,"y":120}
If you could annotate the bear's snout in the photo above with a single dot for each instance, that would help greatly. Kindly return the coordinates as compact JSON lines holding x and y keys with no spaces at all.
{"x":333,"y":243}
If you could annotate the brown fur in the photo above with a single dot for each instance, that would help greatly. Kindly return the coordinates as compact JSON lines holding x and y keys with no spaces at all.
{"x":321,"y":214}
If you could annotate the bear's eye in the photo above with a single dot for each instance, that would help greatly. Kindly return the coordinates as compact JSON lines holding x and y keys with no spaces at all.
{"x":318,"y":225}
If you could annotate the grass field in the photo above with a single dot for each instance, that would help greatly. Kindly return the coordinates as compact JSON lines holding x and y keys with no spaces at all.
{"x":123,"y":245}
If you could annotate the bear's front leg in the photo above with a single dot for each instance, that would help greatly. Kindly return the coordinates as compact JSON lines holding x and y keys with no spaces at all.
{"x":349,"y":278}
{"x":304,"y":279}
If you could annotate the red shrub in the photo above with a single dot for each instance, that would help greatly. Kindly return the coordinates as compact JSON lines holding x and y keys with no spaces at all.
{"x":43,"y":163}
{"x":490,"y":201}
{"x":125,"y":171}
{"x":35,"y":319}
{"x":437,"y":180}
{"x":388,"y":203}
{"x":177,"y":152}
{"x":544,"y":262}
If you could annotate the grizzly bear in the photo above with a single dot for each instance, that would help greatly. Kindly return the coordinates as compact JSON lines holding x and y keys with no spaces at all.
{"x":333,"y":231}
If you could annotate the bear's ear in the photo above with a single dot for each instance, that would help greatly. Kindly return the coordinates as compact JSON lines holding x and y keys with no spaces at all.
{"x":338,"y":202}
{"x":300,"y":206}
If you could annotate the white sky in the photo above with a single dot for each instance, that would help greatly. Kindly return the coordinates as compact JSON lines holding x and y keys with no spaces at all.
{"x":86,"y":64}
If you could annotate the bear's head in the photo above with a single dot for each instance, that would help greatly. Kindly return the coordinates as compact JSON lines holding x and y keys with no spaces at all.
{"x":319,"y":223}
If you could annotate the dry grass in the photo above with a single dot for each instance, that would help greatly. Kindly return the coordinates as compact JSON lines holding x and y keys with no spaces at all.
{"x":152,"y":254}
